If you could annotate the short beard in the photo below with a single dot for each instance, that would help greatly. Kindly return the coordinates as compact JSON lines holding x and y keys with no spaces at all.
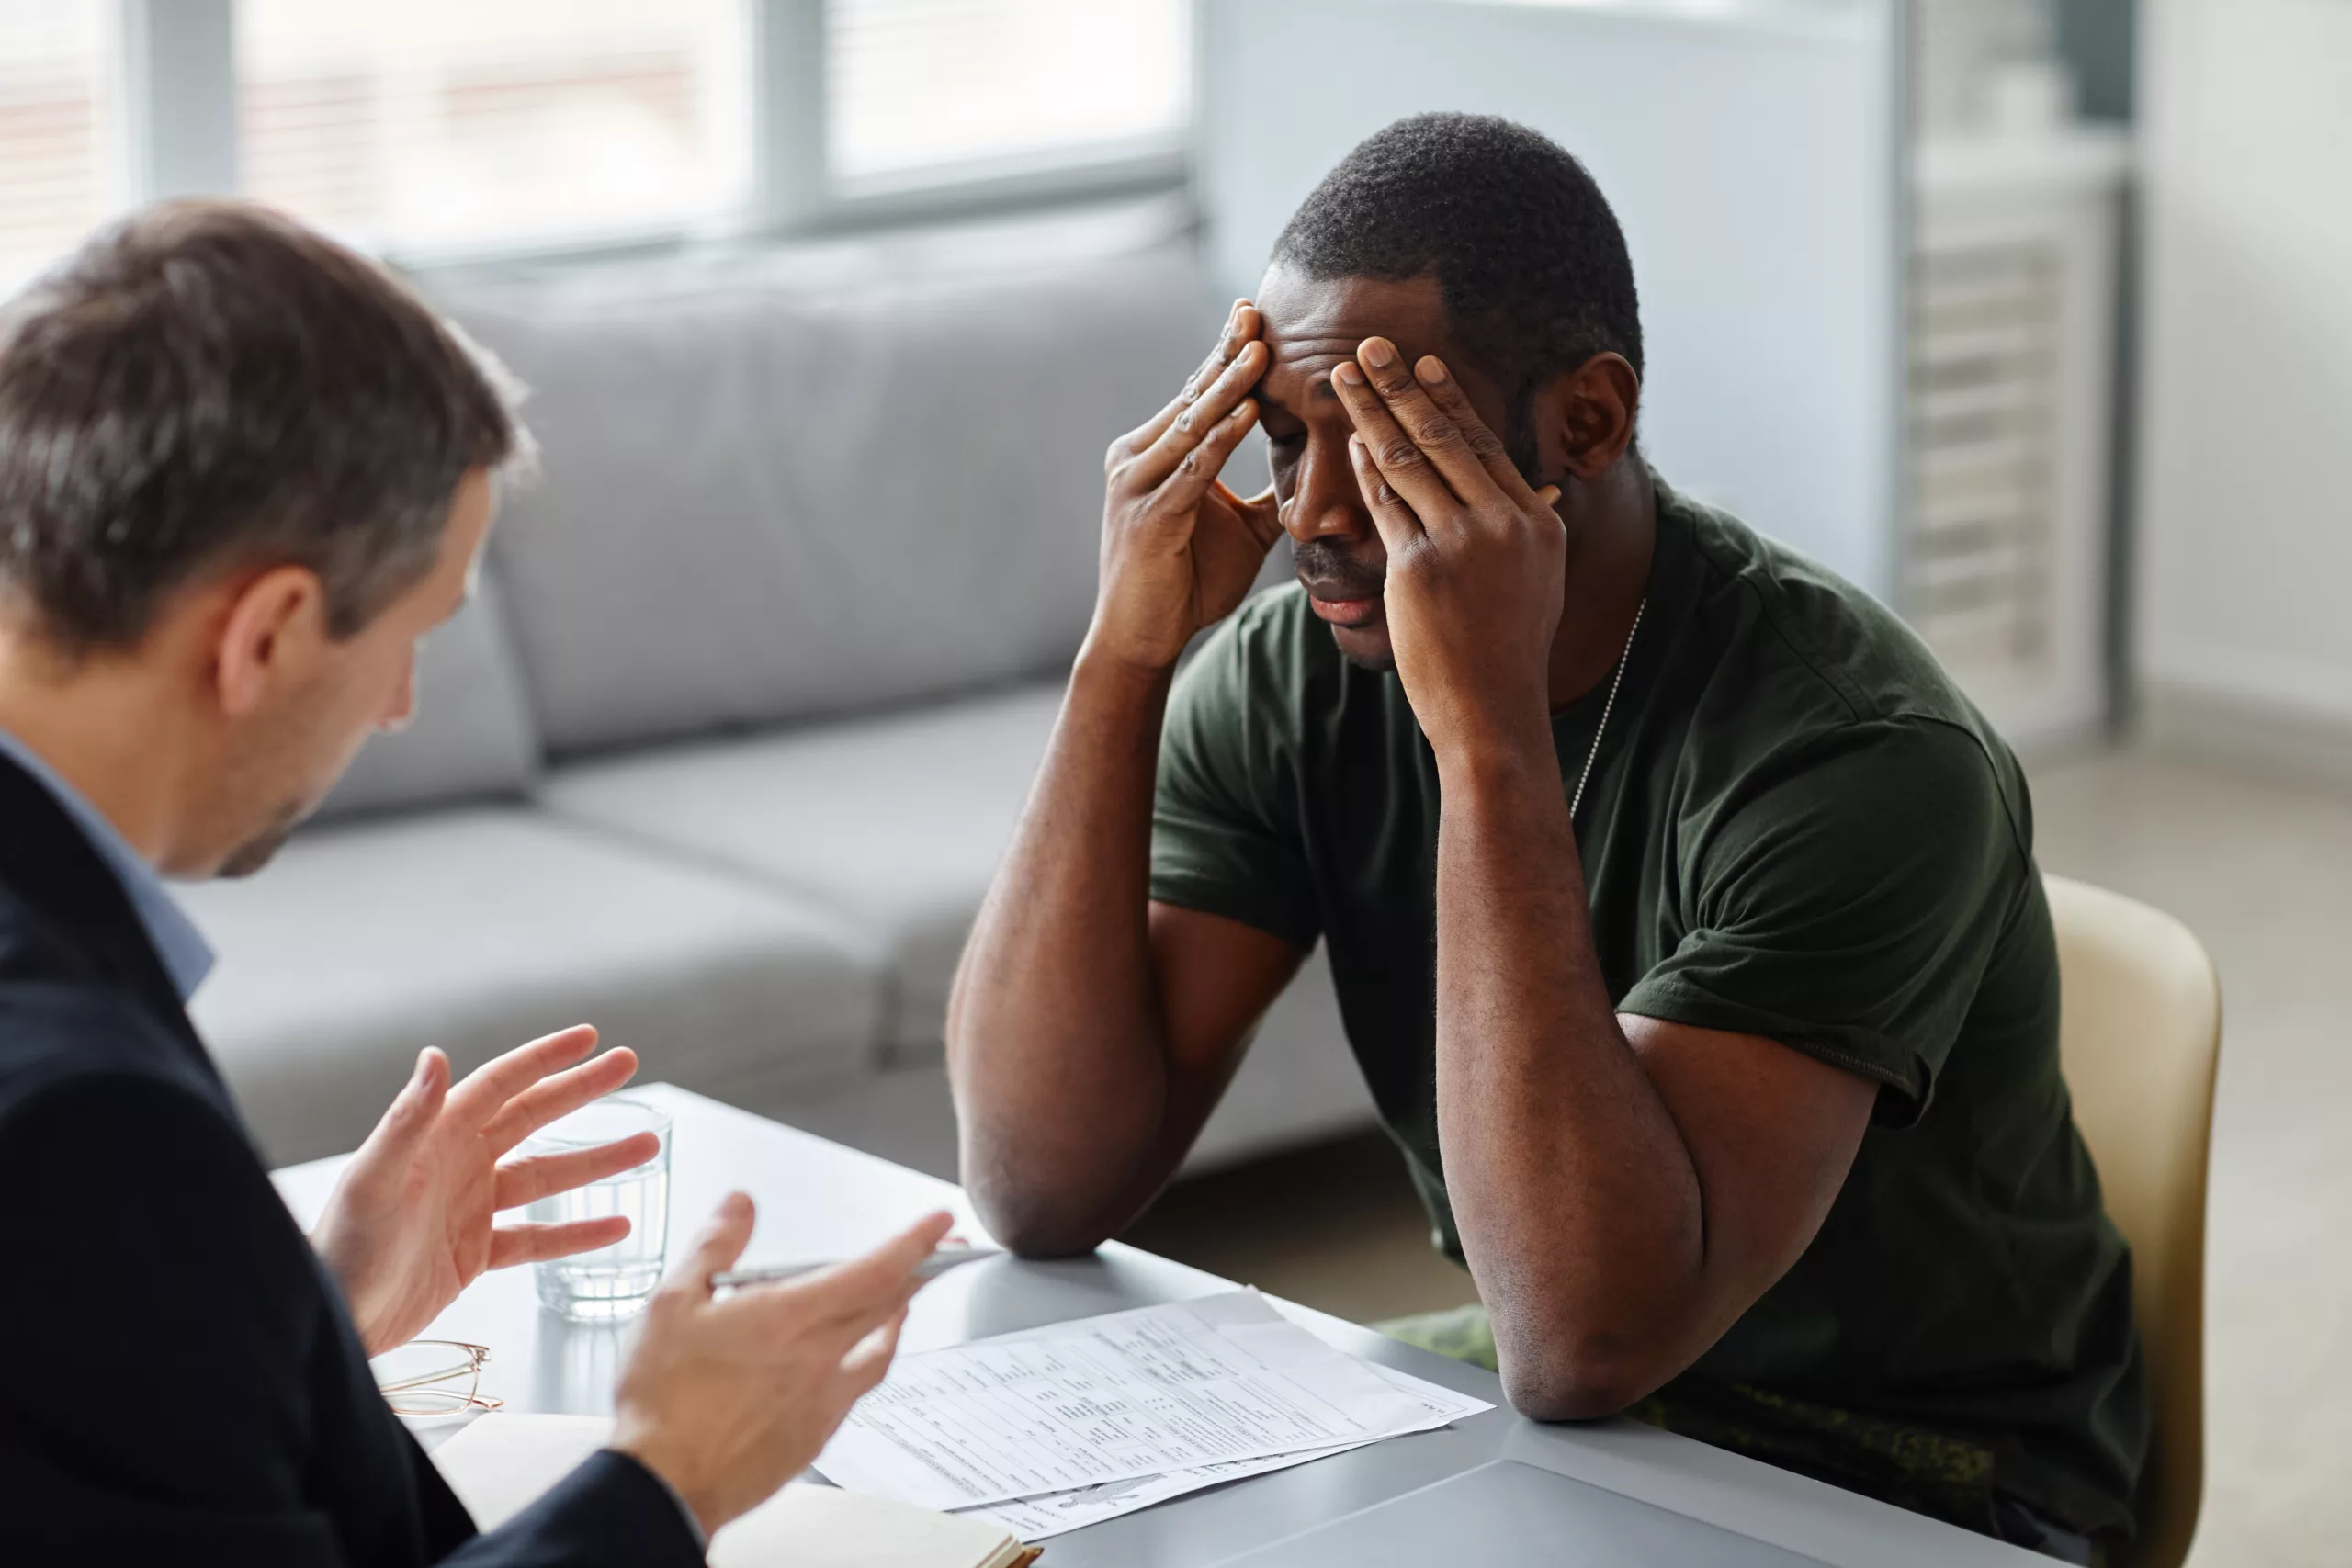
{"x":1377,"y":663}
{"x":263,"y":847}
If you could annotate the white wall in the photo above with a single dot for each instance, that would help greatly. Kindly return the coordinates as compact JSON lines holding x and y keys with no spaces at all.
{"x":1748,"y":148}
{"x":2245,"y":622}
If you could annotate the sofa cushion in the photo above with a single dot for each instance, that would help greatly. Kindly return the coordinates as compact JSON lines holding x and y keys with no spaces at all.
{"x":899,"y":820}
{"x":764,"y":499}
{"x":471,"y":737}
{"x":476,"y":929}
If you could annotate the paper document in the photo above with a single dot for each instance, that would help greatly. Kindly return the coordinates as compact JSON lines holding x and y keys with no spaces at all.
{"x":1036,"y":1519}
{"x":1110,"y":1399}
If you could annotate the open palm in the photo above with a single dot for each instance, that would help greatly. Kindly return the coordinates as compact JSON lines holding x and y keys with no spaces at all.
{"x":413,"y":1221}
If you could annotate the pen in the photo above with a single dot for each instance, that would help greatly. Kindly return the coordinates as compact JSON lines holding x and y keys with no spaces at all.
{"x":930,"y":1268}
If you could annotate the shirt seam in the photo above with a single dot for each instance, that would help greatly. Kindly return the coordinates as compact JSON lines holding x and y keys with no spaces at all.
{"x":1846,"y":697}
{"x":1671,"y":988}
{"x":1189,"y":888}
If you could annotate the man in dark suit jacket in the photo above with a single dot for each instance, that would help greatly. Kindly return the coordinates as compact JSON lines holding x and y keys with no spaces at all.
{"x":242,"y":472}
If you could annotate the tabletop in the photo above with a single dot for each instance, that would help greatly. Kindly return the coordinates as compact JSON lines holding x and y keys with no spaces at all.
{"x":820,"y":1200}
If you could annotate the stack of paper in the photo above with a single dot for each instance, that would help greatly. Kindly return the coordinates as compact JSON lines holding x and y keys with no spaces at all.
{"x":1045,"y":1431}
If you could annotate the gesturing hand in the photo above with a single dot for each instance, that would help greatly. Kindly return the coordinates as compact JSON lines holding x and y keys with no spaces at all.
{"x":1476,"y":557}
{"x":1180,"y":549}
{"x":727,"y":1400}
{"x":410,"y":1224}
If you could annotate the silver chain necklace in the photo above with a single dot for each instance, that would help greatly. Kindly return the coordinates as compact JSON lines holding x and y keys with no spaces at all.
{"x":1625,"y":657}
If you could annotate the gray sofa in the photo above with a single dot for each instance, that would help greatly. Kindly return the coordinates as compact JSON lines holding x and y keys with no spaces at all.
{"x":724,"y":751}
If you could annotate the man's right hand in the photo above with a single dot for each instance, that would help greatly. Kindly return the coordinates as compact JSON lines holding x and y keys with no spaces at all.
{"x":1180,"y":549}
{"x":727,"y":1400}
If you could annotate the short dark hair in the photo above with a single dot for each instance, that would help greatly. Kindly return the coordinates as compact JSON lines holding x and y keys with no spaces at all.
{"x":204,"y":383}
{"x":1529,"y":256}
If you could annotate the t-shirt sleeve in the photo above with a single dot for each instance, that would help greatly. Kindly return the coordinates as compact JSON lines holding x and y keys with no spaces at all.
{"x":1848,"y":903}
{"x":1225,"y":837}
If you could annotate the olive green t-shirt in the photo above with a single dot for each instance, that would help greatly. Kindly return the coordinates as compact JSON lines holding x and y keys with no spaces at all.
{"x":1795,"y":827}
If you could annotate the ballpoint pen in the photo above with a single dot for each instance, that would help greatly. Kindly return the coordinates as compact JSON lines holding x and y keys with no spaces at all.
{"x":930,"y":1268}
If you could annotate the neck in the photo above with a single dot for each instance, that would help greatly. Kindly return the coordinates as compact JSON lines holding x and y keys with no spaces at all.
{"x":1613,"y":533}
{"x":99,"y":725}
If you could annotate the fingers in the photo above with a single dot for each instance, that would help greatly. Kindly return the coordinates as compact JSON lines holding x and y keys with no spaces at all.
{"x":1195,"y":472}
{"x":416,"y":1108}
{"x":1241,"y":324}
{"x":1397,"y":456}
{"x":1398,"y":527}
{"x":554,"y":1098}
{"x":1419,"y":422}
{"x":487,"y":1088}
{"x":869,"y":1359}
{"x":1438,"y":442}
{"x":1445,"y":394}
{"x":528,"y":1180}
{"x":865,"y":1290}
{"x":1204,"y":415}
{"x":716,"y":1247}
{"x":510,"y":1244}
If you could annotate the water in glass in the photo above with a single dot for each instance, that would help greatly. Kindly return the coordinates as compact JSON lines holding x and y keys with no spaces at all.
{"x":612,"y":1281}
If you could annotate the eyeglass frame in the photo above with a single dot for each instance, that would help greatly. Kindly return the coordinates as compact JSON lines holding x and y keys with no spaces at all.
{"x":474,"y":1399}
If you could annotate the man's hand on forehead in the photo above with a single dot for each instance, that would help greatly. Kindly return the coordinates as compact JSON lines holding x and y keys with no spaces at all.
{"x":1476,"y":555}
{"x":1243,"y":326}
{"x":1179,"y":548}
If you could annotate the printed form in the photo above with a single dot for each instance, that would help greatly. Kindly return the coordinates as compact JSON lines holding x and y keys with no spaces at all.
{"x":1111,"y":1399}
{"x":1034,"y":1519}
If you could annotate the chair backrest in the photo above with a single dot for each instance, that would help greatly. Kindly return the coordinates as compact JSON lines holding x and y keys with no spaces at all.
{"x":2140,"y":1037}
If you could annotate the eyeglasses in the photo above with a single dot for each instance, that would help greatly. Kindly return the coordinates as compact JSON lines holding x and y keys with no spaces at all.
{"x":434,"y":1377}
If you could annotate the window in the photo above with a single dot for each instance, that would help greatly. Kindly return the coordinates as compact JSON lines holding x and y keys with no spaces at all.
{"x":916,"y":85}
{"x":59,"y":131}
{"x":433,"y":128}
{"x":457,"y":123}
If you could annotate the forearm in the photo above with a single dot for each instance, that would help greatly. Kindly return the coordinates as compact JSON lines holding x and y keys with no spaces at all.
{"x":1579,"y":1208}
{"x":1056,"y":1037}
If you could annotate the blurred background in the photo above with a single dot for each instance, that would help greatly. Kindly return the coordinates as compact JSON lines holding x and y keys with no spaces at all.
{"x":2032,"y":316}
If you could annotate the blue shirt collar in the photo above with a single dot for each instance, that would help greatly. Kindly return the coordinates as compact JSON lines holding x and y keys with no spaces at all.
{"x":187,"y":957}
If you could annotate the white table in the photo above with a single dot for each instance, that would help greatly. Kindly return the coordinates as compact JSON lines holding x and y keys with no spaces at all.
{"x":820,"y":1199}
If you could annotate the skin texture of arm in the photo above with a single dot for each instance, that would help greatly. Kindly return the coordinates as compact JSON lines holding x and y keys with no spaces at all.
{"x":1625,"y":1187}
{"x":1090,"y":1031}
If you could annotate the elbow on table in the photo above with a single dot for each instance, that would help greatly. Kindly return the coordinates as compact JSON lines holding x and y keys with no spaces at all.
{"x":1029,"y":1221}
{"x":1588,"y":1383}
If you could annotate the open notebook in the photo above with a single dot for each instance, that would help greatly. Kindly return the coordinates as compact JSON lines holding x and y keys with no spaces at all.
{"x":503,"y":1462}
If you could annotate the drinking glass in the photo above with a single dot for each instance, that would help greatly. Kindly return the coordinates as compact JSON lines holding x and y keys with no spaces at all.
{"x":612,"y":1281}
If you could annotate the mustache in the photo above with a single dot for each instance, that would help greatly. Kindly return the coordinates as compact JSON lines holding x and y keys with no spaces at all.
{"x":1326,"y":564}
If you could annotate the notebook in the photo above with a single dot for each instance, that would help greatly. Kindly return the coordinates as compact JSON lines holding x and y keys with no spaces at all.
{"x":503,"y":1462}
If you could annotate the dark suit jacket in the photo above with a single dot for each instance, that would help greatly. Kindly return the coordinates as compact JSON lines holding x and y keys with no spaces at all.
{"x":180,"y":1380}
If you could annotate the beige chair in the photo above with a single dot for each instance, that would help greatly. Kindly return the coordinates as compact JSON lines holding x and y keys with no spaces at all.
{"x":2141,"y":1034}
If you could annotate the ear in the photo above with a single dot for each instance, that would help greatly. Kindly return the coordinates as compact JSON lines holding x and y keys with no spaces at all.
{"x":269,"y":637}
{"x":1597,"y":403}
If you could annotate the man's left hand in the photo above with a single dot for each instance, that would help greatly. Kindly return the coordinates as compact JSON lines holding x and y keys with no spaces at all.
{"x":410,"y":1224}
{"x":1477,"y":557}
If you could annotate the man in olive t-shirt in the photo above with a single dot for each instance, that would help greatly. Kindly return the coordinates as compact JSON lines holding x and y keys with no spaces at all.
{"x":1683,"y":916}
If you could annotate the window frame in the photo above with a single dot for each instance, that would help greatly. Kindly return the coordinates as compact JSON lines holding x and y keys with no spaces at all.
{"x":179,"y":92}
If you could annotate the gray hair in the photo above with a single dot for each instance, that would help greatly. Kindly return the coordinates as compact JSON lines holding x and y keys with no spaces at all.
{"x":205,"y":384}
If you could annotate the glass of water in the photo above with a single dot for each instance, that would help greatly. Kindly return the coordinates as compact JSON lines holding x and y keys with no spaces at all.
{"x":612,"y":1281}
